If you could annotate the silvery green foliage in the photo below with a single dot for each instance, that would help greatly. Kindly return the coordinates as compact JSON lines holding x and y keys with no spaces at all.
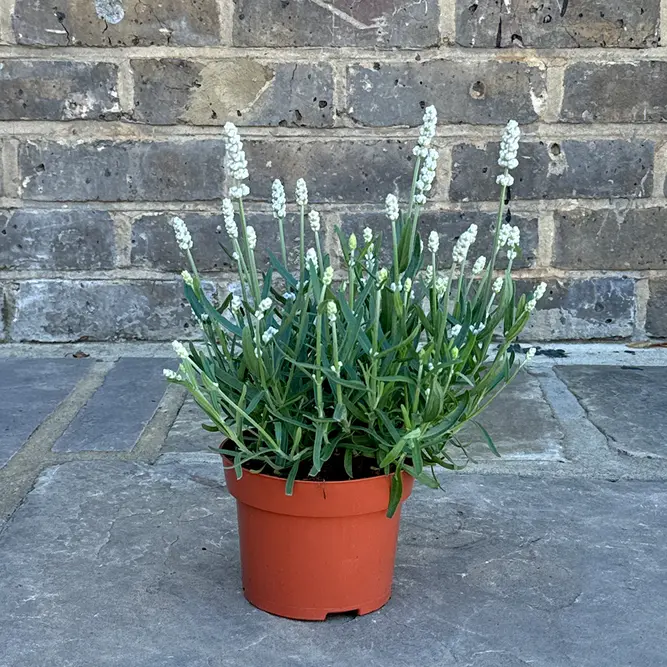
{"x":301,"y":373}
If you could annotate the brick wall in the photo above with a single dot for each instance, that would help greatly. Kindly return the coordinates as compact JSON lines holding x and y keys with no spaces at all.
{"x":107,"y":129}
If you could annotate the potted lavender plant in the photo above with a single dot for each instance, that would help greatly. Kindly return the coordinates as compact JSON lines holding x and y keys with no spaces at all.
{"x":334,"y":388}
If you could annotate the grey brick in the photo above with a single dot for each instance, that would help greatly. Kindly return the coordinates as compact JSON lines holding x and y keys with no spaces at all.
{"x":4,"y":313}
{"x":450,"y":225}
{"x":610,"y":239}
{"x":242,"y":90}
{"x":77,"y":240}
{"x":115,"y":416}
{"x":31,"y":390}
{"x":336,"y":171}
{"x":558,"y":23}
{"x":76,"y":23}
{"x":615,"y":93}
{"x":656,"y":313}
{"x":592,"y":308}
{"x":478,"y":93}
{"x":186,"y":170}
{"x":553,"y":170}
{"x":57,"y":90}
{"x":380,"y":24}
{"x":154,"y":247}
{"x":52,"y":311}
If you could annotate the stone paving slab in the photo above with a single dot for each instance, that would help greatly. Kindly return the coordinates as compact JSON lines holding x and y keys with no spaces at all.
{"x":118,"y":563}
{"x":627,"y":403}
{"x":187,"y":435}
{"x":30,"y":390}
{"x":520,"y":423}
{"x":117,"y":413}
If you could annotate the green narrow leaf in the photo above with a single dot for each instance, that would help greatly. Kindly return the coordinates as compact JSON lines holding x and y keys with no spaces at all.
{"x":340,"y":413}
{"x":347,"y":462}
{"x":248,"y":346}
{"x":395,"y":493}
{"x":487,"y":437}
{"x":317,"y":450}
{"x":417,"y":457}
{"x":289,"y":487}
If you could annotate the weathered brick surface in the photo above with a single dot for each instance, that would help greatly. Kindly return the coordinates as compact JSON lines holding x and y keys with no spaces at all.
{"x":450,"y":225}
{"x":170,"y":91}
{"x":154,"y":247}
{"x":593,"y":308}
{"x":558,"y":23}
{"x":380,"y":24}
{"x":610,"y":239}
{"x":616,"y":93}
{"x":186,"y":170}
{"x":57,"y":90}
{"x":143,"y":23}
{"x":54,"y":311}
{"x":4,"y":313}
{"x":555,"y":170}
{"x":479,"y":92}
{"x":324,"y":89}
{"x":336,"y":171}
{"x":77,"y":240}
{"x":656,"y":313}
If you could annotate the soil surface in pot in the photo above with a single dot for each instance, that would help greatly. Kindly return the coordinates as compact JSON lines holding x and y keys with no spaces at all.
{"x":332,"y":471}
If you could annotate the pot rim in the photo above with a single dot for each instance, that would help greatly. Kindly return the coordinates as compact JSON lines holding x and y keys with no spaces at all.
{"x":312,"y":498}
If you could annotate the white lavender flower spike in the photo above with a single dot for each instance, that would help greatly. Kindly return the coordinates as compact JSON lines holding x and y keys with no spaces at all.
{"x":327,"y":278}
{"x":391,"y":207}
{"x":235,"y":161}
{"x":311,"y":256}
{"x":497,"y":285}
{"x":182,"y":234}
{"x":314,"y":221}
{"x":433,"y":242}
{"x":239,"y":191}
{"x":463,"y":244}
{"x":530,"y":354}
{"x":426,"y":132}
{"x":352,"y":242}
{"x":252,"y":237}
{"x":509,"y":146}
{"x":169,"y":374}
{"x":368,"y":234}
{"x":505,"y":179}
{"x":479,"y":265}
{"x":278,"y":201}
{"x":537,"y":295}
{"x":456,"y":330}
{"x":269,"y":334}
{"x":228,"y":218}
{"x":187,"y":278}
{"x":180,"y":350}
{"x":301,"y":193}
{"x":331,"y":311}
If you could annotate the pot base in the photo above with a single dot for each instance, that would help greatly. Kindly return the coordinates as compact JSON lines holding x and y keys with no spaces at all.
{"x":315,"y":614}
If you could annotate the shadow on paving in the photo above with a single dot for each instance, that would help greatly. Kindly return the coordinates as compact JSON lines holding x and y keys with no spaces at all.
{"x":118,"y":563}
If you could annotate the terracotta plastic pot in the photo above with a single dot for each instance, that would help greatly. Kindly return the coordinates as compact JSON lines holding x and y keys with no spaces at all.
{"x":328,"y":548}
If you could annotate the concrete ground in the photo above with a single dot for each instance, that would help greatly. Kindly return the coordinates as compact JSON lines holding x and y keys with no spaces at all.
{"x":118,"y":543}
